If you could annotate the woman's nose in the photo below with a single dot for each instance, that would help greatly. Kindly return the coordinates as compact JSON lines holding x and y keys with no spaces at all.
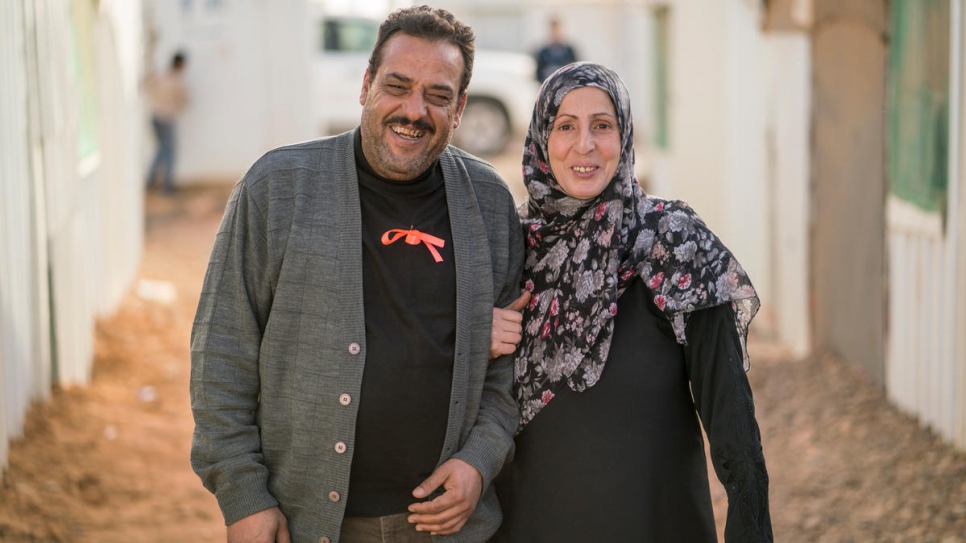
{"x":585,"y":141}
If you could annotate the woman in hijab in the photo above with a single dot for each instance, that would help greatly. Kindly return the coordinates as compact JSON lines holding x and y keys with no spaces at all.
{"x":637,"y":320}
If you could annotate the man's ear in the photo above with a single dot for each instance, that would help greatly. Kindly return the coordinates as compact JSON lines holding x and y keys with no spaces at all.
{"x":459,"y":111}
{"x":365,"y":88}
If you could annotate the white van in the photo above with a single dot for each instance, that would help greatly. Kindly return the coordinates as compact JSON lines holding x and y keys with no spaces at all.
{"x":501,"y":92}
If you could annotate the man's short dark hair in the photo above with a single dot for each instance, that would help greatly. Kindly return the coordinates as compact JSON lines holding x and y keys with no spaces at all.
{"x":432,"y":24}
{"x":178,"y":60}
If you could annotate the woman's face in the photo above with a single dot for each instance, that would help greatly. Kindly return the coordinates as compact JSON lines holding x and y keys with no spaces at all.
{"x":585,"y":142}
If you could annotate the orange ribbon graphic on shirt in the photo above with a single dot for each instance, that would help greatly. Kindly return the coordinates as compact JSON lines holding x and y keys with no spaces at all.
{"x":415,"y":237}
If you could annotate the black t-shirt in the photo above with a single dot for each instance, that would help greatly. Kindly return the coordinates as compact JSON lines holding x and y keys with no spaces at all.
{"x":410,"y":309}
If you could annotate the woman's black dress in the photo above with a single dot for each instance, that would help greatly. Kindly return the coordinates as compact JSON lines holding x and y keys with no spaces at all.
{"x":624,"y":460}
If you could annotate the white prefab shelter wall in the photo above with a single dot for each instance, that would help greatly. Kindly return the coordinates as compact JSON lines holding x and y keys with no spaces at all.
{"x":919,"y":363}
{"x":16,"y":337}
{"x":788,"y":172}
{"x":926,"y":352}
{"x":727,"y":81}
{"x":70,"y":226}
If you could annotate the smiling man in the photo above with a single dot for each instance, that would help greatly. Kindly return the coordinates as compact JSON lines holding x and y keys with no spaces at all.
{"x":340,"y":381}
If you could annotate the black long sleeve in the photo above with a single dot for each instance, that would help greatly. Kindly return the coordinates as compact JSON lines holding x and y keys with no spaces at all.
{"x":722,"y":396}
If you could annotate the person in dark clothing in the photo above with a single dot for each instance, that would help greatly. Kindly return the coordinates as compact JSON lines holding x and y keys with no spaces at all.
{"x":340,"y":375}
{"x":635,"y":330}
{"x":556,"y":54}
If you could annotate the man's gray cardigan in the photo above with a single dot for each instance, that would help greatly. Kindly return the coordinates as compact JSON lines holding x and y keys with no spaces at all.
{"x":278,"y":344}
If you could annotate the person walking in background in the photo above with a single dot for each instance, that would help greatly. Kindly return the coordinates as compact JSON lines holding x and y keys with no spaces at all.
{"x":556,"y":54}
{"x":635,"y":306}
{"x":340,"y":375}
{"x":167,"y":97}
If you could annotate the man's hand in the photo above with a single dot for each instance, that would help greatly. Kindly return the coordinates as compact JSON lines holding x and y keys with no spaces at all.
{"x":448,"y":512}
{"x":507,"y":326}
{"x":267,"y":526}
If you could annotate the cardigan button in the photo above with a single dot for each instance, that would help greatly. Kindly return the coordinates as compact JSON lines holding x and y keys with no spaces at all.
{"x":334,"y":496}
{"x":340,"y":447}
{"x":354,"y":348}
{"x":345,"y":399}
{"x":324,"y":539}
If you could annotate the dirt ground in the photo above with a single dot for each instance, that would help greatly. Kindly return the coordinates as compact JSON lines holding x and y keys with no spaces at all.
{"x":109,"y":462}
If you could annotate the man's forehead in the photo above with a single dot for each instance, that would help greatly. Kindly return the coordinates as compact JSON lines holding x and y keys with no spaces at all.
{"x":403,"y":53}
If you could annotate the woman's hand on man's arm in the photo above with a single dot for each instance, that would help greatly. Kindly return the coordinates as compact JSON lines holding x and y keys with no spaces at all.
{"x":507,"y":328}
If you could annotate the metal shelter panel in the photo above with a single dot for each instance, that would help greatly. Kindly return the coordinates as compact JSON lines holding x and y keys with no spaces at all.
{"x":71,"y":188}
{"x":918,"y":108}
{"x":15,"y":224}
{"x":847,"y":252}
{"x":923,"y":375}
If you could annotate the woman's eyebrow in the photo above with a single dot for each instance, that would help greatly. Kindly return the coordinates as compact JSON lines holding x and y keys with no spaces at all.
{"x":592,"y":115}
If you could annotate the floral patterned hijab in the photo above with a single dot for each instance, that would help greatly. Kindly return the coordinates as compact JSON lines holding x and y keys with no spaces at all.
{"x":583,"y":254}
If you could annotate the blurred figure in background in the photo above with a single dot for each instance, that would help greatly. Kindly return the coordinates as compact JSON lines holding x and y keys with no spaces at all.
{"x":556,"y":54}
{"x":167,"y":97}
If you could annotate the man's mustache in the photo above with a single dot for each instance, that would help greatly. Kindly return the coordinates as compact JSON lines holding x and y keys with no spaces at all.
{"x":419,"y":124}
